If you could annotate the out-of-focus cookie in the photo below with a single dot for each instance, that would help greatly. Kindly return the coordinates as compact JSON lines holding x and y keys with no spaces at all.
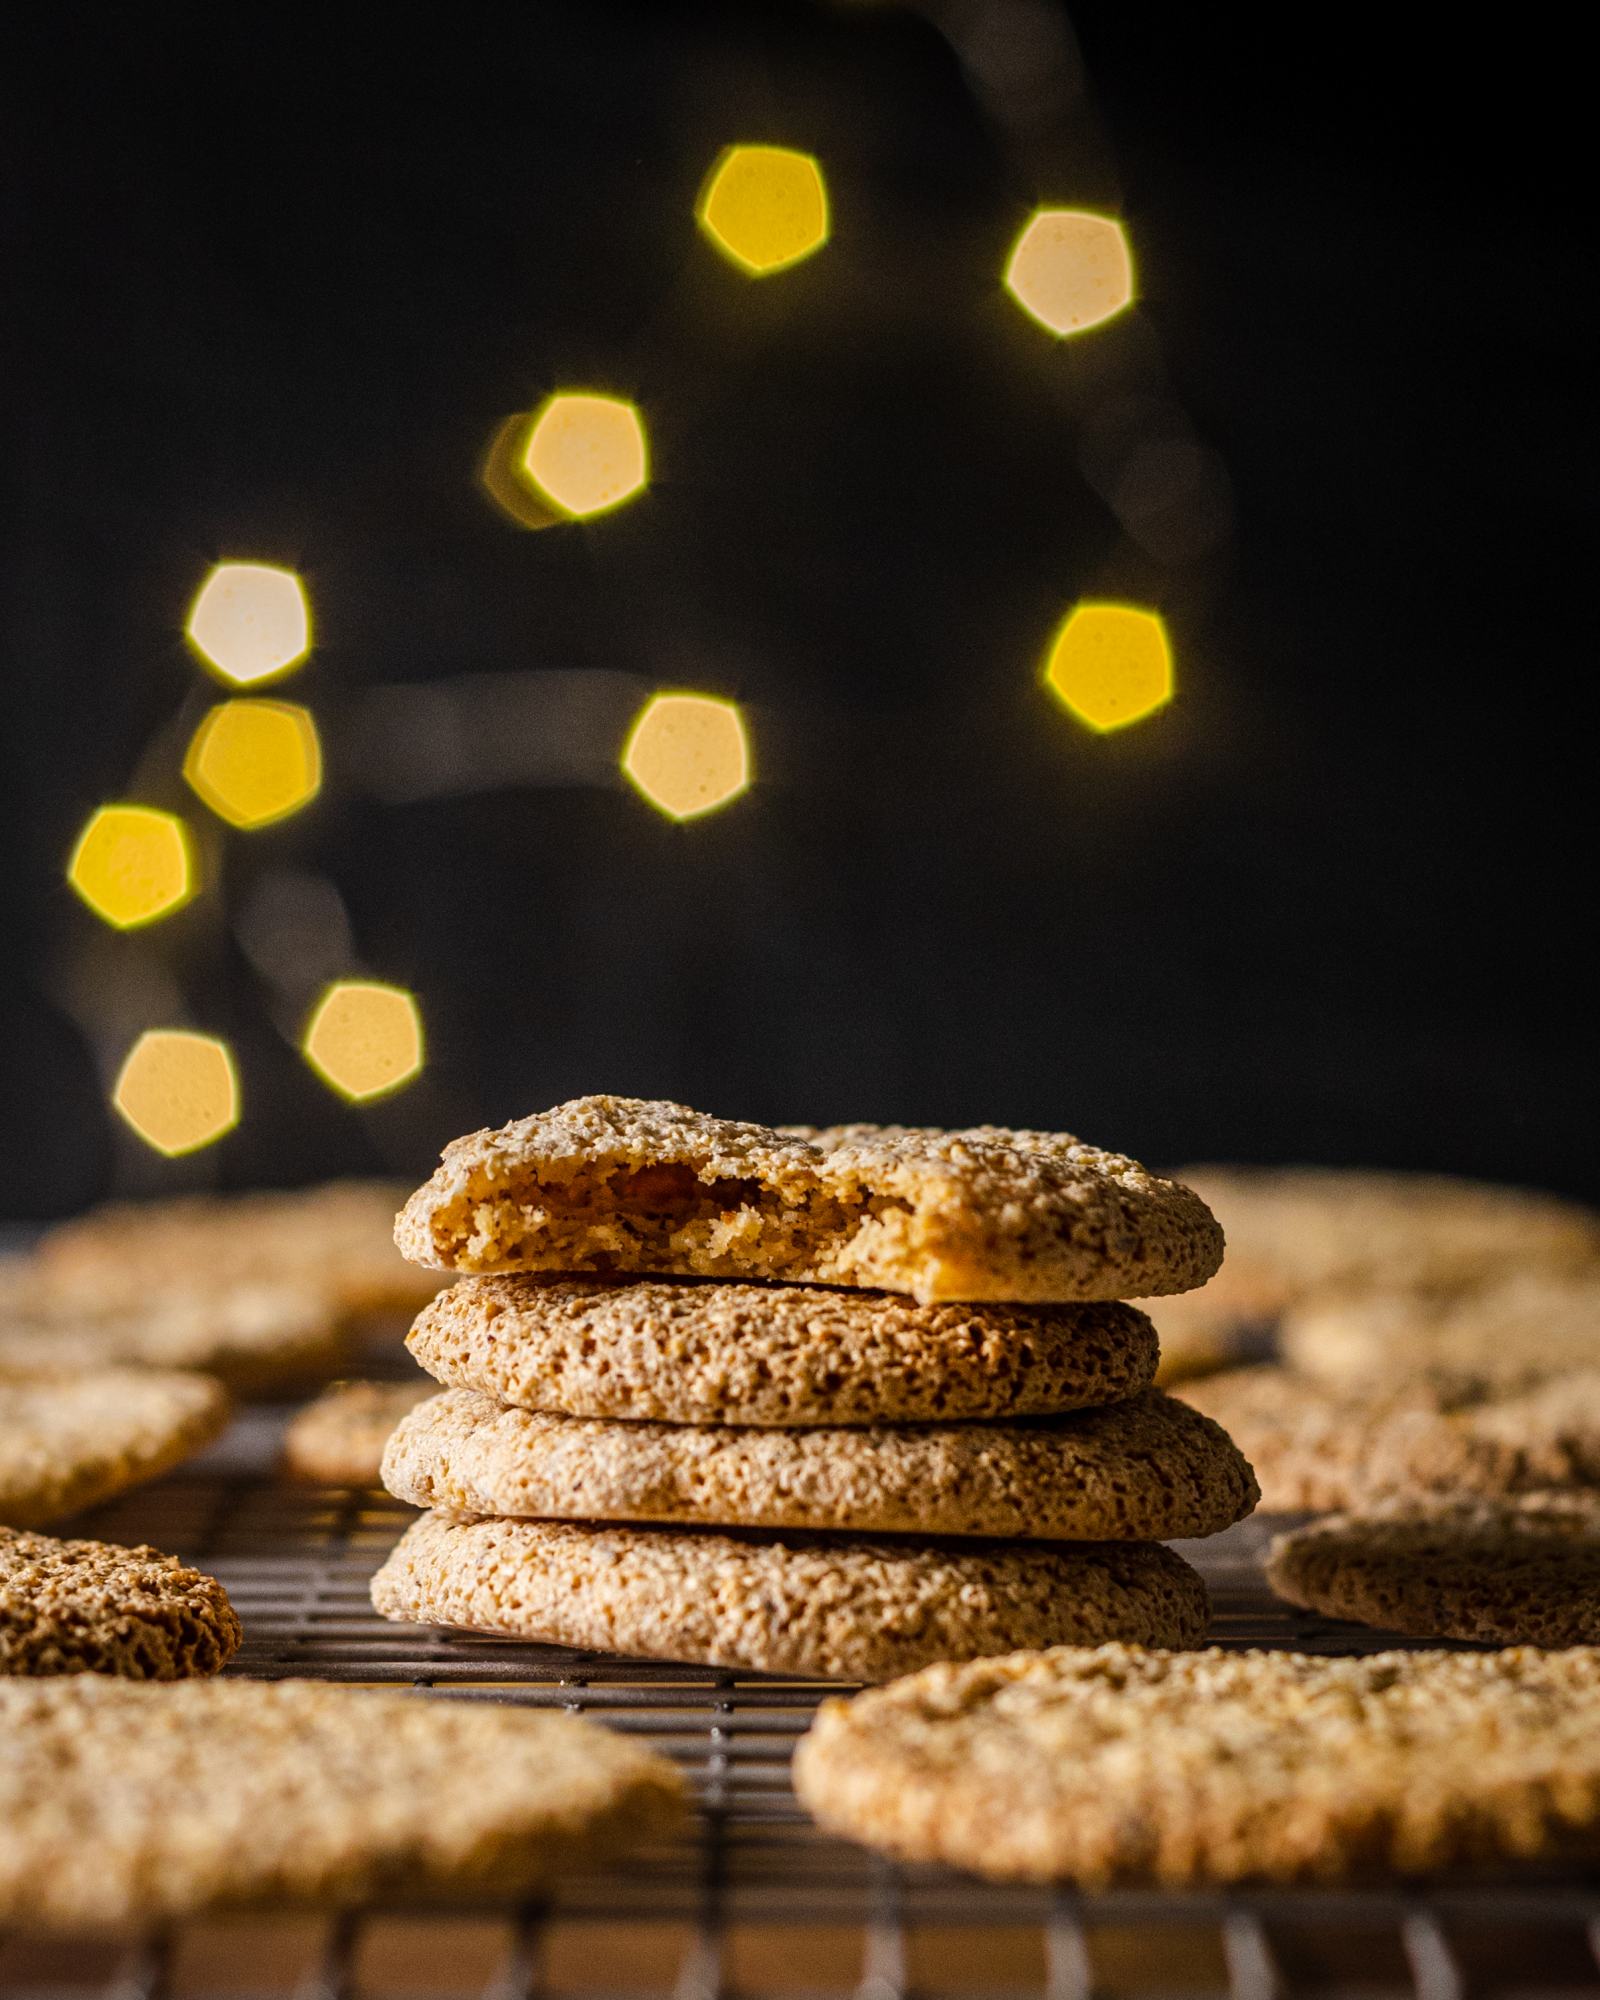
{"x":70,"y":1441}
{"x":93,"y":1607}
{"x":1523,"y":1571}
{"x":1520,"y":1328}
{"x":1149,"y":1469}
{"x":697,"y":1353}
{"x":621,"y":1184}
{"x":336,"y":1239}
{"x":255,"y":1334}
{"x":1189,"y":1769}
{"x":338,"y":1440}
{"x":1216,"y":1327}
{"x":122,"y":1803}
{"x":831,"y":1608}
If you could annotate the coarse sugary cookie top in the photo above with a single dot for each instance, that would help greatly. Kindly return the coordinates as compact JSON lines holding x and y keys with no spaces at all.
{"x":625,"y":1184}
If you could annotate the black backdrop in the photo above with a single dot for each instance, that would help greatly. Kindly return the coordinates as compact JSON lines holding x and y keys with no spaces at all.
{"x":272,"y":277}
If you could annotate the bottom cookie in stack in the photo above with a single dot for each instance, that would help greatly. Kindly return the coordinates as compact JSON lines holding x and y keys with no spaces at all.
{"x":846,"y":1551}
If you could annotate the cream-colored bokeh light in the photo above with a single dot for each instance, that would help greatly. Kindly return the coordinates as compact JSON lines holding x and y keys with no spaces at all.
{"x":254,"y":762}
{"x":1070,"y":270}
{"x":133,"y":864}
{"x":1111,"y":664}
{"x":764,"y":207}
{"x":250,"y":621}
{"x":178,"y":1090}
{"x":586,"y":453}
{"x":687,"y":754}
{"x":364,"y":1039}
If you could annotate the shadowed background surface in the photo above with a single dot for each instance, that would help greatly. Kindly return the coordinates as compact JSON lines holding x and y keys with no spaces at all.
{"x":272,"y":286}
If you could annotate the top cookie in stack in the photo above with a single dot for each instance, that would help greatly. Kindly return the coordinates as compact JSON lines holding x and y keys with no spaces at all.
{"x":646,"y":1339}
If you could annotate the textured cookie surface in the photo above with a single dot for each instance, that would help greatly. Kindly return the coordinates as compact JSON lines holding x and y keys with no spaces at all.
{"x":70,"y":1441}
{"x":337,"y":1239}
{"x":1318,"y":1445}
{"x":1519,"y":1572}
{"x":338,"y":1440}
{"x":833,"y":1609}
{"x":92,"y":1607}
{"x":621,"y":1184}
{"x":774,"y":1354}
{"x":121,"y":1803}
{"x":1118,"y":1765}
{"x":255,"y":1334}
{"x":1518,"y":1329}
{"x":1146,"y":1470}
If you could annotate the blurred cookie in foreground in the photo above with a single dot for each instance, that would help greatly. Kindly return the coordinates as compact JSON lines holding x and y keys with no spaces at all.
{"x":829,"y":1607}
{"x":122,"y":1803}
{"x":1519,"y":1328}
{"x":337,"y":1239}
{"x":70,"y":1441}
{"x":72,"y":1607}
{"x":623,"y":1184}
{"x":1521,"y":1571}
{"x":1147,"y":1469}
{"x":338,"y":1440}
{"x":781,"y":1355}
{"x":1119,"y":1766}
{"x":255,"y":1334}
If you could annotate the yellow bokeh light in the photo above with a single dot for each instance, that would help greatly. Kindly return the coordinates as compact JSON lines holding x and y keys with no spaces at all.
{"x":687,"y":754}
{"x":250,"y":621}
{"x":178,"y":1090}
{"x":585,"y":453}
{"x":1070,"y":270}
{"x":1111,"y":664}
{"x":364,"y":1039}
{"x":255,"y":761}
{"x":133,"y":864}
{"x":764,"y":207}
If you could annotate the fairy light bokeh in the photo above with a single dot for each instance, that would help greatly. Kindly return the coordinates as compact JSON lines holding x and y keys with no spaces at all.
{"x":254,"y":762}
{"x":1111,"y":664}
{"x":178,"y":1090}
{"x":1070,"y":270}
{"x":364,"y":1039}
{"x":687,"y":754}
{"x":133,"y":864}
{"x":250,"y":622}
{"x":586,"y":453}
{"x":764,"y":207}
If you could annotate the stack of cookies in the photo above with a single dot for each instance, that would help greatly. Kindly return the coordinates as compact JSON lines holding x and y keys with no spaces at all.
{"x":832,"y":1403}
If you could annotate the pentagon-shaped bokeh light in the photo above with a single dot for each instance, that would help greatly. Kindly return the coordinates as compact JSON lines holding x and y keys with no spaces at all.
{"x":364,"y":1039}
{"x":178,"y":1090}
{"x":1111,"y":664}
{"x":254,"y":762}
{"x":250,"y":621}
{"x":687,"y":754}
{"x":586,"y":453}
{"x":133,"y":864}
{"x":1070,"y":270}
{"x":764,"y":207}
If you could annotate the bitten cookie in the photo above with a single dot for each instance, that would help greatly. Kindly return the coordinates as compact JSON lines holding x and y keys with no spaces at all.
{"x":1146,"y":1470}
{"x":121,"y":1803}
{"x":1523,"y":1572}
{"x":1124,"y":1766}
{"x":622,"y":1184}
{"x":92,"y":1607}
{"x":830,"y":1608}
{"x":774,"y":1354}
{"x":338,"y":1440}
{"x":70,"y":1441}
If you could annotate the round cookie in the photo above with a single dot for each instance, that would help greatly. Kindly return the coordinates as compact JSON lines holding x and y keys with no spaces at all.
{"x":624,"y":1184}
{"x":338,"y":1440}
{"x":123,"y":1804}
{"x":774,"y":1354}
{"x":831,"y":1608}
{"x":1193,"y":1769}
{"x":70,"y":1441}
{"x":92,"y":1607}
{"x":1518,"y":1329}
{"x":1514,"y":1572}
{"x":1145,"y":1470}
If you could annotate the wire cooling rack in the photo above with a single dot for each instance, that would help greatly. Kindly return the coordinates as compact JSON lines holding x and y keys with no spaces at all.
{"x":752,"y":1901}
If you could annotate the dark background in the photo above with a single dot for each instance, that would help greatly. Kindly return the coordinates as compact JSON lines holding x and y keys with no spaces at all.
{"x":271,"y":280}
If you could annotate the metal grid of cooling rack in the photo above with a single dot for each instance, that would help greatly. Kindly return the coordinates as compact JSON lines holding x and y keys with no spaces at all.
{"x":752,"y":1900}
